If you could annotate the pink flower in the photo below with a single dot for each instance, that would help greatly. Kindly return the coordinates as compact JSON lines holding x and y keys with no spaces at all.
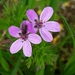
{"x":42,"y":24}
{"x":25,"y":35}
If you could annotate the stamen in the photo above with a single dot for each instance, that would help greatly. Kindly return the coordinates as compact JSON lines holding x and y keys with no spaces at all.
{"x":38,"y":24}
{"x":24,"y":29}
{"x":35,"y":20}
{"x":35,"y":26}
{"x":23,"y":36}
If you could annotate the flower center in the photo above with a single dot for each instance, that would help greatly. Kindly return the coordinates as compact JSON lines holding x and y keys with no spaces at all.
{"x":38,"y":24}
{"x":24,"y":34}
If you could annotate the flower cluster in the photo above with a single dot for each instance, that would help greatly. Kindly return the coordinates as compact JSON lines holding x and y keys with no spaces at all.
{"x":26,"y":34}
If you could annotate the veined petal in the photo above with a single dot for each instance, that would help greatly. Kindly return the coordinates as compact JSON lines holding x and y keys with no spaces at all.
{"x":25,"y":22}
{"x":27,"y":49}
{"x":31,"y":14}
{"x":13,"y":31}
{"x":46,"y":14}
{"x":30,"y":27}
{"x":35,"y":29}
{"x":34,"y":38}
{"x":52,"y":26}
{"x":47,"y":36}
{"x":16,"y":46}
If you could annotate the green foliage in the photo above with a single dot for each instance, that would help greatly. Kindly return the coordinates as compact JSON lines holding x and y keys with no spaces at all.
{"x":3,"y":62}
{"x":2,"y":1}
{"x":3,"y":24}
{"x":55,"y":6}
{"x":15,"y":16}
{"x":69,"y":70}
{"x":40,"y":71}
{"x":14,"y":72}
{"x":41,"y":56}
{"x":45,"y":55}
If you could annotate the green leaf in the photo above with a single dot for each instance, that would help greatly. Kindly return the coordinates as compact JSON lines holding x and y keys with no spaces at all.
{"x":48,"y":2}
{"x":31,"y":4}
{"x":2,"y":1}
{"x":3,"y":62}
{"x":29,"y":62}
{"x":16,"y":68}
{"x":7,"y":56}
{"x":54,"y":4}
{"x":42,"y":3}
{"x":69,"y":31}
{"x":69,"y":69}
{"x":40,"y":71}
{"x":3,"y":24}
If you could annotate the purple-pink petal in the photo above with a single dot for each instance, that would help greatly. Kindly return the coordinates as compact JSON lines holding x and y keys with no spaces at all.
{"x":27,"y":49}
{"x":52,"y":26}
{"x":25,"y":22}
{"x":31,"y":14}
{"x":16,"y":46}
{"x":13,"y":31}
{"x":30,"y":27}
{"x":46,"y":35}
{"x":34,"y":38}
{"x":46,"y":14}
